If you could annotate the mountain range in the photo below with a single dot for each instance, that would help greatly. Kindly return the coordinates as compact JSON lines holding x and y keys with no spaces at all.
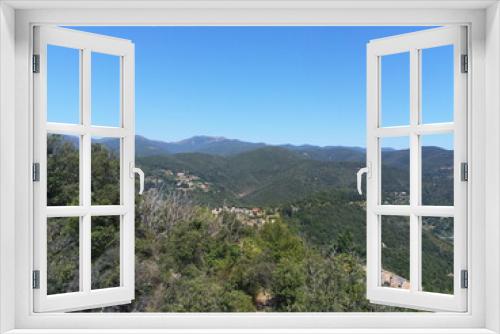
{"x":226,"y":147}
{"x":259,"y":174}
{"x":264,"y":176}
{"x":246,"y":173}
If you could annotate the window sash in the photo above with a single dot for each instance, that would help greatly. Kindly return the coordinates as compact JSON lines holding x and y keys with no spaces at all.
{"x":85,"y":298}
{"x":415,"y":297}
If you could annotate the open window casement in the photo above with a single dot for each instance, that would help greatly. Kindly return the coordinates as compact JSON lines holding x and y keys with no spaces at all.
{"x":83,"y":193}
{"x":391,"y":210}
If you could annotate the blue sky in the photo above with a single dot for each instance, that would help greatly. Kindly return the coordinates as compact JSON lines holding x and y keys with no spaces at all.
{"x":263,"y":84}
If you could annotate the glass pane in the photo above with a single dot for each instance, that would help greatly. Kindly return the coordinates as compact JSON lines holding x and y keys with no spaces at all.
{"x":106,"y":93}
{"x":395,"y":252}
{"x":395,"y":153}
{"x":105,"y":252}
{"x":437,"y":84}
{"x":105,"y":167}
{"x":437,"y":254}
{"x":395,"y":89}
{"x":63,"y":255}
{"x":63,"y":84}
{"x":63,"y":171}
{"x":437,"y":169}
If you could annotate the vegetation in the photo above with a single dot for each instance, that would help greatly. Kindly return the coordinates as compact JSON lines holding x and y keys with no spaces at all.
{"x":62,"y":255}
{"x":287,"y":234}
{"x":62,"y":171}
{"x":190,"y":261}
{"x":268,"y":176}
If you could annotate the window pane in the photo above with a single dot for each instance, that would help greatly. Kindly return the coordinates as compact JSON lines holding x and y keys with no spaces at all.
{"x":395,"y":170}
{"x":63,"y":255}
{"x":63,"y":84}
{"x":437,"y":254}
{"x":437,"y":84}
{"x":395,"y":89}
{"x":63,"y":172}
{"x":105,"y":89}
{"x":395,"y":252}
{"x":105,"y":252}
{"x":105,"y":171}
{"x":437,"y":169}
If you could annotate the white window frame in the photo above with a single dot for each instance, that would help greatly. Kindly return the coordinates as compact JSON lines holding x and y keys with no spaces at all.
{"x":413,"y":44}
{"x":85,"y":44}
{"x":16,"y":20}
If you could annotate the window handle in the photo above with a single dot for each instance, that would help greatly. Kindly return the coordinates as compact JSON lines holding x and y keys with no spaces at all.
{"x":134,"y":170}
{"x":359,"y":175}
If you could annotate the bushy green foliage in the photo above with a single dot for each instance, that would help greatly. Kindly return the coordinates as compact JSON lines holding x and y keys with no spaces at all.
{"x":206,"y":263}
{"x":437,"y":254}
{"x":332,"y":221}
{"x":105,"y":252}
{"x":62,"y":255}
{"x":105,"y":180}
{"x":62,"y":171}
{"x":395,"y":232}
{"x":63,"y":234}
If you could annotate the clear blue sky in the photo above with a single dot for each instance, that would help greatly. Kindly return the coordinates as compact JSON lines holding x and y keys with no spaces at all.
{"x":263,"y":84}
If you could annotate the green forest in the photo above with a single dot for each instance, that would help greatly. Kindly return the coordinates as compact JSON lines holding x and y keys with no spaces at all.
{"x":263,"y":230}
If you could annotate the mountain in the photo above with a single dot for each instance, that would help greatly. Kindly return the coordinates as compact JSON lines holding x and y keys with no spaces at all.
{"x":197,"y":144}
{"x":213,"y":145}
{"x":147,"y":147}
{"x":318,"y":199}
{"x":262,"y":177}
{"x":329,"y":153}
{"x":259,"y":174}
{"x":227,"y":147}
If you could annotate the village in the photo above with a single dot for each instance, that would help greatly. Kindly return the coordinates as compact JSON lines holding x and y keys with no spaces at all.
{"x":251,"y":217}
{"x":185,"y":181}
{"x":188,"y":182}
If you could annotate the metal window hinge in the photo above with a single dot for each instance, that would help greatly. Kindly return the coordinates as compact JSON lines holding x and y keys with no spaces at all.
{"x":465,"y":64}
{"x":464,"y":279}
{"x":36,"y":279}
{"x":36,"y":172}
{"x":36,"y":63}
{"x":464,"y":171}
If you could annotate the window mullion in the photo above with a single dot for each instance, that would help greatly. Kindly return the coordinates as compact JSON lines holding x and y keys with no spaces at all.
{"x":415,"y":235}
{"x":414,"y":131}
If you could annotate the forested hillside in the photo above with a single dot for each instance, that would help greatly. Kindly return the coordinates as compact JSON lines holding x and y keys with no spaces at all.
{"x":266,"y":229}
{"x":263,"y":177}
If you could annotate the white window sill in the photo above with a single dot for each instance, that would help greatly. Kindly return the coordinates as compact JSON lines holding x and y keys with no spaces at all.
{"x":253,"y":331}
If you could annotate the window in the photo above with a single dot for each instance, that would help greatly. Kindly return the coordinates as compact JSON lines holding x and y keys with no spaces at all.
{"x":84,"y":241}
{"x":482,"y":213}
{"x":417,"y":208}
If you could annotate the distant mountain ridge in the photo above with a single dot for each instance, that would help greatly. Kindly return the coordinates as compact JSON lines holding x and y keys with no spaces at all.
{"x":227,"y":147}
{"x":223,"y":147}
{"x":260,"y":174}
